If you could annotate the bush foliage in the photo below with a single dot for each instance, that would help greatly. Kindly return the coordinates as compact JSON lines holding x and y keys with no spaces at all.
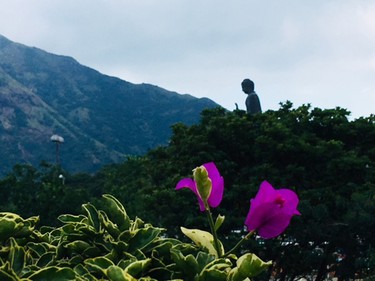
{"x":108,"y":245}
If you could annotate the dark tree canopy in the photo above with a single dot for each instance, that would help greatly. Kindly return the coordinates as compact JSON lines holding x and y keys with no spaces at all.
{"x":328,"y":159}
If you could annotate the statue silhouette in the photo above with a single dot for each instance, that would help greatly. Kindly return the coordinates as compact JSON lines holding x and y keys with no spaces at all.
{"x":252,"y":100}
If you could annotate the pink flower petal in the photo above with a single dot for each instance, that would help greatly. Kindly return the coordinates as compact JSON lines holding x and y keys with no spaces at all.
{"x":291,"y":201}
{"x":190,"y":183}
{"x":217,"y":185}
{"x":187,"y":182}
{"x":275,"y":227}
{"x":271,"y":210}
{"x":217,"y":191}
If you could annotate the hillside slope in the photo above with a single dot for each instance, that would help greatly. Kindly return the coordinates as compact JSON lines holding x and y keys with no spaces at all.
{"x":101,"y":118}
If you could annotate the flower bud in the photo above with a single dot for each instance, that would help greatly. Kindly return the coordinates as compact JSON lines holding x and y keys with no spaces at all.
{"x":203,"y":182}
{"x":213,"y":191}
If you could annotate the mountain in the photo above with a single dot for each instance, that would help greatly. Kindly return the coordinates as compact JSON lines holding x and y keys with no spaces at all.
{"x":101,"y":118}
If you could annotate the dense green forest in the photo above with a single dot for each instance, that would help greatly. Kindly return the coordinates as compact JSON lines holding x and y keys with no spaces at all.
{"x":326,"y":158}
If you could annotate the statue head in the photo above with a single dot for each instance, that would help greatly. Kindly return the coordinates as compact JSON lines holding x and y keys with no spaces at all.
{"x":247,"y":86}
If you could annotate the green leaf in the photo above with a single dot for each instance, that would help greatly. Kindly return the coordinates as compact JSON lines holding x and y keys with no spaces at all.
{"x":54,"y":273}
{"x":137,"y":267}
{"x":248,"y":266}
{"x":203,"y":259}
{"x":187,"y":248}
{"x":68,"y":229}
{"x":92,"y":215}
{"x":92,"y":251}
{"x":202,"y":239}
{"x":45,"y":259}
{"x":61,"y":251}
{"x":77,"y":246}
{"x":68,"y":218}
{"x":37,"y":248}
{"x":216,"y":270}
{"x":162,"y":249}
{"x":4,"y":276}
{"x":136,"y":224}
{"x":115,"y":273}
{"x":76,"y":259}
{"x":220,"y":264}
{"x":7,"y":273}
{"x":120,"y":247}
{"x":84,"y":273}
{"x":126,"y":261}
{"x":80,"y":269}
{"x":219,"y":221}
{"x":108,"y":225}
{"x":143,"y":237}
{"x":9,"y":225}
{"x":87,"y":229}
{"x":188,"y":265}
{"x":116,"y":212}
{"x":213,"y":275}
{"x":99,"y":264}
{"x":17,"y":256}
{"x":28,"y":227}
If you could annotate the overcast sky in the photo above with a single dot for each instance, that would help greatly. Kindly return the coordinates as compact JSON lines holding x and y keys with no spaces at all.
{"x":320,"y":52}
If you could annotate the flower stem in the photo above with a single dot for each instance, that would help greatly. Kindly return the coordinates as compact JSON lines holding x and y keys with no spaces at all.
{"x":244,"y":239}
{"x":213,"y":231}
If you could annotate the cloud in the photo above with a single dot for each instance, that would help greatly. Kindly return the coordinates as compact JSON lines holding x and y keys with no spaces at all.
{"x":319,"y":52}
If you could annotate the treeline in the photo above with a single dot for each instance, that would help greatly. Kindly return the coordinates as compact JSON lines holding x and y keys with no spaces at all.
{"x":326,"y":158}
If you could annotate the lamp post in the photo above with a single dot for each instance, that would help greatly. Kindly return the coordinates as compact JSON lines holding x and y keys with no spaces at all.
{"x":62,"y":179}
{"x":58,"y":140}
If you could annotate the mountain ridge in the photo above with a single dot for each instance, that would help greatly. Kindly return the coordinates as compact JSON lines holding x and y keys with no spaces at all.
{"x":101,"y":117}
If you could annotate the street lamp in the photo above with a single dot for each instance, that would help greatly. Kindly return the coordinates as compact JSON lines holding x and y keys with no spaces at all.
{"x":62,"y":178}
{"x":58,"y":140}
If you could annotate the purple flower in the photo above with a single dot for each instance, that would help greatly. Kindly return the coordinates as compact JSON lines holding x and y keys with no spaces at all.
{"x":271,"y":210}
{"x":216,"y":194}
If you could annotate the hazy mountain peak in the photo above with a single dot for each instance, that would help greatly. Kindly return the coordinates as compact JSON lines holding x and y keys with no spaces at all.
{"x":101,"y":118}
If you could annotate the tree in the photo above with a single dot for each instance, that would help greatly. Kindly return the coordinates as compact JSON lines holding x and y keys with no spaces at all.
{"x":31,"y":191}
{"x":326,"y":158}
